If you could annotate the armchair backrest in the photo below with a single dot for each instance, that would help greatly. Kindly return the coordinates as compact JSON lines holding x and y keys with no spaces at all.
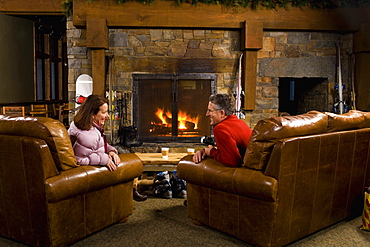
{"x":268,"y":131}
{"x":50,"y":130}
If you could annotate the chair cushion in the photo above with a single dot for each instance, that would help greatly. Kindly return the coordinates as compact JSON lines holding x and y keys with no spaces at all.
{"x":347,"y":121}
{"x":53,"y":132}
{"x":268,"y":131}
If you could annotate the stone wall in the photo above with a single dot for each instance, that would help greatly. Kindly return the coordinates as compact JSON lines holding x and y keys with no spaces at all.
{"x":284,"y":54}
{"x":299,"y":55}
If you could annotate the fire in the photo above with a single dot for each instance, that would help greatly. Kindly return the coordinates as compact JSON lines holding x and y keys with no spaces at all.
{"x":183,"y":119}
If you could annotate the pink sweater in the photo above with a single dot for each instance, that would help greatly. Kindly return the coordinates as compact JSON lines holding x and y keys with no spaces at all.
{"x":88,"y":146}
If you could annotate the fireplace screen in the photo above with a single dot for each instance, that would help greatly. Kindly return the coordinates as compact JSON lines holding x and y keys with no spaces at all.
{"x":172,"y":107}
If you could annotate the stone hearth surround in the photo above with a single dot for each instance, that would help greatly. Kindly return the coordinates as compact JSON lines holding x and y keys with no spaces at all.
{"x":284,"y":54}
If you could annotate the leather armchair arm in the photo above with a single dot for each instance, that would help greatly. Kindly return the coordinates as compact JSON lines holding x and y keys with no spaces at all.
{"x":82,"y":179}
{"x":240,"y":180}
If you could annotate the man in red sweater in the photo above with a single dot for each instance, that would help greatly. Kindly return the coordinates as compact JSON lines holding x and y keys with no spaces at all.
{"x":231,"y":134}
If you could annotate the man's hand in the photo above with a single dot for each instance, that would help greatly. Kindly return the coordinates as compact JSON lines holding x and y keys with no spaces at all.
{"x":208,"y":150}
{"x":201,"y":154}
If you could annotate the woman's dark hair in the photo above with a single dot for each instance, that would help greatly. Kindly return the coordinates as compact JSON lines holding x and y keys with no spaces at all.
{"x":91,"y":106}
{"x":223,"y":102}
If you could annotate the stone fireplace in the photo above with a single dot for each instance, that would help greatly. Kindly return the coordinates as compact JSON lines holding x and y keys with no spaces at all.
{"x":307,"y":58}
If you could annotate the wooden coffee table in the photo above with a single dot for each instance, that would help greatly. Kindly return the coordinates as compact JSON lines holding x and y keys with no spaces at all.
{"x":155,"y":162}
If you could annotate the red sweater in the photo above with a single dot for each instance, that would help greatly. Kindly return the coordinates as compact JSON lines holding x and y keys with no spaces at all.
{"x":232,"y":137}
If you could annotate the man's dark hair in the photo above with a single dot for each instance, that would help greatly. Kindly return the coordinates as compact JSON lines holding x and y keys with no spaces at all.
{"x":223,"y":102}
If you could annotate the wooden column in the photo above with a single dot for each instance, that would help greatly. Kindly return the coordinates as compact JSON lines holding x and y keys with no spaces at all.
{"x":97,"y":41}
{"x":98,"y":71}
{"x":252,"y":34}
{"x":362,"y":71}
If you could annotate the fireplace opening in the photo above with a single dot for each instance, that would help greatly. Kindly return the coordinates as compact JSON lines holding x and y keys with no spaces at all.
{"x":172,"y":107}
{"x":300,"y":95}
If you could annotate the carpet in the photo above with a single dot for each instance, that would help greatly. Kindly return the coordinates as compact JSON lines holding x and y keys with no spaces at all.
{"x":164,"y":222}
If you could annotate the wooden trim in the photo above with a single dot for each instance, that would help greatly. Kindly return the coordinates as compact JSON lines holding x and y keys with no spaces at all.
{"x":98,"y":71}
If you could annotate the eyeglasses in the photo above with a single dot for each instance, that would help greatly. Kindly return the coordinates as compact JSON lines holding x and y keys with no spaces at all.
{"x":209,"y":110}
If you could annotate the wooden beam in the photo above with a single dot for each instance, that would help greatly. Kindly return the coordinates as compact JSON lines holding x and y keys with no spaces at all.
{"x":97,"y":34}
{"x":250,"y":78}
{"x":362,"y":85}
{"x":362,"y":38}
{"x":167,"y":14}
{"x":98,"y":71}
{"x":15,"y":7}
{"x":362,"y":72}
{"x":252,"y":35}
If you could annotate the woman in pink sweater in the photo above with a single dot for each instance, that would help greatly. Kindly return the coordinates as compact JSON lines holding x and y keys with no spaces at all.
{"x":88,"y":138}
{"x":87,"y":134}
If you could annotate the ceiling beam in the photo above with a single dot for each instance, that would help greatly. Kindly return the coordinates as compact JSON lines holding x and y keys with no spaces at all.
{"x":167,"y":14}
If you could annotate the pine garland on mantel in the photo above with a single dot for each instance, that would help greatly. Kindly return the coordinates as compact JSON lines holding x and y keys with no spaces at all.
{"x":254,"y":4}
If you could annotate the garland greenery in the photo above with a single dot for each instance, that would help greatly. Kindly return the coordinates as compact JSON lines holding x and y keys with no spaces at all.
{"x":254,"y":4}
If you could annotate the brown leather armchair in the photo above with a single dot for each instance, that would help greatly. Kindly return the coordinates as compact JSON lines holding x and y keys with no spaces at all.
{"x":300,"y":174}
{"x":46,"y":198}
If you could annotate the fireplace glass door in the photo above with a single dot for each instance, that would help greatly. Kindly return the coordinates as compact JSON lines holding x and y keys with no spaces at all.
{"x":172,"y":107}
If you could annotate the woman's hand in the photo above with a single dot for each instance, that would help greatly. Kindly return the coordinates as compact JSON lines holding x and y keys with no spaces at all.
{"x":111,"y":166}
{"x":114,"y":156}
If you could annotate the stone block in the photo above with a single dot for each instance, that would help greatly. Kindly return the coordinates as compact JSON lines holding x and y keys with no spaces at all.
{"x":263,"y":54}
{"x":263,"y":103}
{"x":188,"y":35}
{"x":193,"y":44}
{"x":118,"y":40}
{"x":168,"y":34}
{"x":268,"y":44}
{"x":156,"y":34}
{"x":221,"y":50}
{"x":178,"y":34}
{"x":197,"y":53}
{"x":143,"y":38}
{"x":163,"y":43}
{"x":198,"y":33}
{"x":205,"y":45}
{"x":133,"y":41}
{"x":292,"y":51}
{"x":177,"y":49}
{"x":74,"y":63}
{"x":298,"y":38}
{"x":298,"y":67}
{"x":77,"y":51}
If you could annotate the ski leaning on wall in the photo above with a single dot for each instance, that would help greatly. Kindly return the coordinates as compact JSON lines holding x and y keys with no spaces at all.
{"x":339,"y":105}
{"x":239,"y":92}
